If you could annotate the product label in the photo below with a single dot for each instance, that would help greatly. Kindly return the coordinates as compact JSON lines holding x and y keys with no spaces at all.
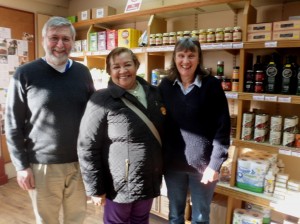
{"x":271,"y":71}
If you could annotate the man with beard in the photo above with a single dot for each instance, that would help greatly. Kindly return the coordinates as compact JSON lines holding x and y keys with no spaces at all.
{"x":45,"y":102}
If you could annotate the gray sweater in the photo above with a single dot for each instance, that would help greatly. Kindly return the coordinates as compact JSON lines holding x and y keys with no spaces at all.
{"x":43,"y":112}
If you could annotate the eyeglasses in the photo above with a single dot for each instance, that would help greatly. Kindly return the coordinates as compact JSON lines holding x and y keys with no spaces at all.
{"x":55,"y":39}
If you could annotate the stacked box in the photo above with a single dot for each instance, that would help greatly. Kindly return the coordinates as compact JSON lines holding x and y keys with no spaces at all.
{"x":111,"y":39}
{"x":102,"y":41}
{"x":128,"y":37}
{"x":93,"y":37}
{"x":260,"y":32}
{"x":103,"y":11}
{"x":286,"y":30}
{"x":84,"y":15}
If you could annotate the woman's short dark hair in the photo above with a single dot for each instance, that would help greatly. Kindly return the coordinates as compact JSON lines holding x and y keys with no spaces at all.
{"x":117,"y":51}
{"x":186,"y":44}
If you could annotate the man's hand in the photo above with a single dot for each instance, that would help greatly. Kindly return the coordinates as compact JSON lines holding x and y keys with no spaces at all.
{"x":209,"y":175}
{"x":25,"y":179}
{"x":99,"y":200}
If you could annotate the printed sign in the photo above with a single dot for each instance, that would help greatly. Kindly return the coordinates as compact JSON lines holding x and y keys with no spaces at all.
{"x":133,"y":5}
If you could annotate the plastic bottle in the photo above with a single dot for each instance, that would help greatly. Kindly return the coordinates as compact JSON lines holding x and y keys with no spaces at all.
{"x":269,"y":183}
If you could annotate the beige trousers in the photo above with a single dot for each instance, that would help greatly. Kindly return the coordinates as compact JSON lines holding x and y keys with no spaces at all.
{"x":58,"y":187}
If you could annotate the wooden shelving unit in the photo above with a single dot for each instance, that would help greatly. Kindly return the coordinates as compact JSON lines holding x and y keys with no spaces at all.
{"x":155,"y":57}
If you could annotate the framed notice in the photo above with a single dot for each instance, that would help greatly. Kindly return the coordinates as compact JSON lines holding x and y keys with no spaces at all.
{"x":133,"y":5}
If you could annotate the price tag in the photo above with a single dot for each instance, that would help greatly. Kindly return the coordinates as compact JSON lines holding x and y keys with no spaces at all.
{"x":285,"y":152}
{"x":226,"y":45}
{"x":271,"y":98}
{"x":137,"y":50}
{"x":284,"y":99}
{"x":238,"y":45}
{"x":217,"y":46}
{"x":171,"y":48}
{"x":271,"y":44}
{"x":88,"y":53}
{"x":296,"y":153}
{"x":206,"y":46}
{"x":232,"y":95}
{"x":259,"y":97}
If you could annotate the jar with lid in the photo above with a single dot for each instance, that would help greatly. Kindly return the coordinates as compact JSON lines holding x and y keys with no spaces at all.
{"x":220,"y":68}
{"x":152,"y":40}
{"x":211,"y":36}
{"x":158,"y":39}
{"x":172,"y":38}
{"x":235,"y":85}
{"x":228,"y":34}
{"x":187,"y":34}
{"x":258,"y":88}
{"x":235,"y":72}
{"x":195,"y":34}
{"x":202,"y":36}
{"x":237,"y":34}
{"x":219,"y":35}
{"x":165,"y":39}
{"x":179,"y":35}
{"x":259,"y":76}
{"x":226,"y":84}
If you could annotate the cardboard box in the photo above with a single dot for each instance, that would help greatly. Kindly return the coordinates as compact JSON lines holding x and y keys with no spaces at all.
{"x":101,"y":40}
{"x":103,"y":11}
{"x":77,"y":46}
{"x":260,"y":27}
{"x":84,"y":15}
{"x":111,"y":39}
{"x":84,"y":45}
{"x":286,"y":35}
{"x":128,"y":37}
{"x":259,"y":36}
{"x":72,"y":19}
{"x":93,"y":44}
{"x":286,"y":25}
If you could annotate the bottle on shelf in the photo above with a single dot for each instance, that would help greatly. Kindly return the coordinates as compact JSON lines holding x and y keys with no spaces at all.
{"x":289,"y":78}
{"x":269,"y":183}
{"x":273,"y":77}
{"x":258,"y":65}
{"x":220,"y":70}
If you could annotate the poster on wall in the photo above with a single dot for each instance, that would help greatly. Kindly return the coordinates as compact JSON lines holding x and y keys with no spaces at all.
{"x":13,"y":53}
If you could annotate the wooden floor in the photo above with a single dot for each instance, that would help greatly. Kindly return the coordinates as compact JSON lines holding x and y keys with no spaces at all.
{"x":15,"y":207}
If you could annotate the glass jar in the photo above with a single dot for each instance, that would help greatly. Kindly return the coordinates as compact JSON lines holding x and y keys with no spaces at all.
{"x":158,"y":39}
{"x":179,"y":35}
{"x":187,"y":34}
{"x":226,"y":84}
{"x":228,"y":34}
{"x":152,"y":40}
{"x":211,"y":36}
{"x":195,"y":34}
{"x":220,"y":68}
{"x":235,"y":85}
{"x":237,"y":34}
{"x":258,"y":88}
{"x":202,"y":36}
{"x":235,"y":72}
{"x":219,"y":35}
{"x":172,"y":38}
{"x":165,"y":39}
{"x":259,"y":76}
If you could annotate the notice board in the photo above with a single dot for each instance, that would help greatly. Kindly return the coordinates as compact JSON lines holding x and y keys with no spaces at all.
{"x":17,"y":46}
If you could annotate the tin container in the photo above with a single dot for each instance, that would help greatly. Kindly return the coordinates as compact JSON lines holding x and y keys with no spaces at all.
{"x":260,"y":134}
{"x":247,"y":133}
{"x":275,"y":137}
{"x":276,"y":123}
{"x":248,"y":119}
{"x":288,"y":139}
{"x":290,"y":124}
{"x":261,"y":121}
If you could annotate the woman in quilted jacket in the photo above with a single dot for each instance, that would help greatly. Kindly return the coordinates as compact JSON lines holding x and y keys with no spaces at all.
{"x":120,"y":157}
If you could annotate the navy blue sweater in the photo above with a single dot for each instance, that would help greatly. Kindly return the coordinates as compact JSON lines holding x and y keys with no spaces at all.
{"x":197,"y":126}
{"x":43,"y":112}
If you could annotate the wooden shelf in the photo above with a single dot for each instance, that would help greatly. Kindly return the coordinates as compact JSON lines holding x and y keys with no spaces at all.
{"x":170,"y":11}
{"x":272,"y":44}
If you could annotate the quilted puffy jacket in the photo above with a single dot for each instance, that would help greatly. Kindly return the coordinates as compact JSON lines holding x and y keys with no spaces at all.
{"x":118,"y":154}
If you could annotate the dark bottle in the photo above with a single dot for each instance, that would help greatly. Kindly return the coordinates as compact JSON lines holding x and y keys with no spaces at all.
{"x":298,"y":82}
{"x":288,"y":77}
{"x":273,"y":77}
{"x":258,"y":66}
{"x":295,"y":67}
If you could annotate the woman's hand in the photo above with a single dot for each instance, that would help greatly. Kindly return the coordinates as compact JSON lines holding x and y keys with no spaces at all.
{"x":209,"y":175}
{"x":99,"y":200}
